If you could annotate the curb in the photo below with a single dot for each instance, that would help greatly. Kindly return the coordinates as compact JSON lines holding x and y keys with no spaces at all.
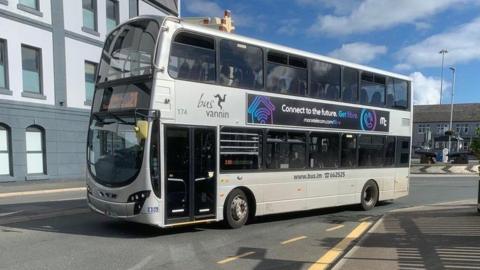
{"x":444,"y":169}
{"x":341,"y":261}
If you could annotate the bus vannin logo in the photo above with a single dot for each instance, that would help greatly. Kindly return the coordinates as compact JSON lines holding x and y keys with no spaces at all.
{"x":220,"y":100}
{"x":368,"y":120}
{"x":261,"y":110}
{"x":213,"y":105}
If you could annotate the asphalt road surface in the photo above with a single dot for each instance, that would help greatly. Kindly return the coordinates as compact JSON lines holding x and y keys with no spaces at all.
{"x":74,"y":238}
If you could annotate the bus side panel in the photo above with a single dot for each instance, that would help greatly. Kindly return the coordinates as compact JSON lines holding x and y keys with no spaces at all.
{"x":402,"y":182}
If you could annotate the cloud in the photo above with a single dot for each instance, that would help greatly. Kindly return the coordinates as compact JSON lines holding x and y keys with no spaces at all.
{"x":462,"y":42}
{"x":378,"y":15}
{"x":288,"y":27}
{"x":358,"y":52}
{"x":402,"y":67}
{"x":426,"y":90}
{"x":339,"y":7}
{"x":204,"y":8}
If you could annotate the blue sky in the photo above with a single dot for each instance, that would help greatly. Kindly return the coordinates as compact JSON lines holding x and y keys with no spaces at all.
{"x":403,"y":36}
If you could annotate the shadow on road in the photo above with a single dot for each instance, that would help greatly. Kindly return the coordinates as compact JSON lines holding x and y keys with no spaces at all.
{"x":93,"y":224}
{"x":446,"y":238}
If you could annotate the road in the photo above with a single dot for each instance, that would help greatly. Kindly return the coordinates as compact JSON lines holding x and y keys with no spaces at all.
{"x":74,"y":238}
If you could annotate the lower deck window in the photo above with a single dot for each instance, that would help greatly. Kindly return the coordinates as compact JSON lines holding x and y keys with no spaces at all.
{"x":256,"y":149}
{"x":324,"y":150}
{"x":285,"y":150}
{"x":240,"y":149}
{"x":371,"y":151}
{"x":349,"y":150}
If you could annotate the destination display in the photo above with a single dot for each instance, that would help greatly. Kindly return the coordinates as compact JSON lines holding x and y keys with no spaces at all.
{"x":264,"y":110}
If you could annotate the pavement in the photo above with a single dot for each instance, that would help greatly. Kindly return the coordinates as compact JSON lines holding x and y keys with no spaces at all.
{"x":51,"y":228}
{"x":32,"y":200}
{"x":439,"y":236}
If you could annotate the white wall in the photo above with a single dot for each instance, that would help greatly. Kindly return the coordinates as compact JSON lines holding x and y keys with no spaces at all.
{"x":31,"y":36}
{"x":73,"y":13}
{"x":75,"y":70}
{"x":45,"y":8}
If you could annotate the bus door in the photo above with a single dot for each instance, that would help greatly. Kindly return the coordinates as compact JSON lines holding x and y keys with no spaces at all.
{"x":190,"y":160}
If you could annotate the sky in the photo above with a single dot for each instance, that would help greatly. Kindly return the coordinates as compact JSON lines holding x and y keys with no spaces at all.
{"x":402,"y":36}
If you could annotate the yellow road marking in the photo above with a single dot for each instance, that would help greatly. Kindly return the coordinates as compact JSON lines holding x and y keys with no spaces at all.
{"x":38,"y":192}
{"x":233,"y":258}
{"x":335,"y":228}
{"x":293,"y":240}
{"x":365,"y":218}
{"x":331,"y":255}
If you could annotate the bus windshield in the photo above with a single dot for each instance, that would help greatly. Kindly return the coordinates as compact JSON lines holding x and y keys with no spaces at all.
{"x":129,"y":51}
{"x":114,"y":151}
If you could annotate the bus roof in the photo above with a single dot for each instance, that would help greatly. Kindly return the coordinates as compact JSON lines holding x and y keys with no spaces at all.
{"x":260,"y":43}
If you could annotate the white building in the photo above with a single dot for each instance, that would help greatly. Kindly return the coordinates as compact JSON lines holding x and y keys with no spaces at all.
{"x":49,"y":50}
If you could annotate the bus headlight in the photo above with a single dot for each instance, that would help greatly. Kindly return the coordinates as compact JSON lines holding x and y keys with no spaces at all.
{"x":139,"y":199}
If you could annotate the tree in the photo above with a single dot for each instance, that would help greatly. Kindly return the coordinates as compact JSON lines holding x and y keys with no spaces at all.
{"x":475,"y":146}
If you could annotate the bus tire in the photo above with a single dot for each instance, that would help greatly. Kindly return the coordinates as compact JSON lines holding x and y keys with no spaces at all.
{"x":236,"y":210}
{"x":369,"y":196}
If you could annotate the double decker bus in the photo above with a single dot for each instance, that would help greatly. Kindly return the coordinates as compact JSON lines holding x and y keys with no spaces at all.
{"x":191,"y":125}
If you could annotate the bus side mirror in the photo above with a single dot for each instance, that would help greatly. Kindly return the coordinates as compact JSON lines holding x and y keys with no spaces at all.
{"x":141,"y":128}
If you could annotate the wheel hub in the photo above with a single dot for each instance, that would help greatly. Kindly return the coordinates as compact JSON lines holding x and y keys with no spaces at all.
{"x":239,"y":208}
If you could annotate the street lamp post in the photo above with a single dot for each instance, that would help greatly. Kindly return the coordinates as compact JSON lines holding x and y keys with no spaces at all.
{"x":451,"y":110}
{"x":442,"y":52}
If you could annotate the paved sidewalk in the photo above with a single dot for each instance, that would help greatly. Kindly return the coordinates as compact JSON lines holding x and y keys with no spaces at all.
{"x":20,"y":186}
{"x":31,"y":200}
{"x":442,"y":236}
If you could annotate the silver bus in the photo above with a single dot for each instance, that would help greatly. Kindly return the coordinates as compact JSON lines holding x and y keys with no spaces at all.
{"x":191,"y":125}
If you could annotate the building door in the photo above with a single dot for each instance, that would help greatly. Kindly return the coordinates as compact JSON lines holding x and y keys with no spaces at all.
{"x":190,"y":174}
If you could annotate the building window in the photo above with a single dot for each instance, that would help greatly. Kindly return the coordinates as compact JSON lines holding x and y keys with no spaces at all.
{"x":441,"y":129}
{"x":90,"y":14}
{"x":112,"y":14}
{"x":3,"y":64}
{"x":30,"y":3}
{"x":462,"y":129}
{"x":32,"y":69}
{"x":90,"y":71}
{"x":35,"y":148}
{"x":423,"y":129}
{"x":5,"y":158}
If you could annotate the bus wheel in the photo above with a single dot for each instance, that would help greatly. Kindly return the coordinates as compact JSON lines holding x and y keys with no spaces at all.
{"x":369,"y":195}
{"x":236,"y":209}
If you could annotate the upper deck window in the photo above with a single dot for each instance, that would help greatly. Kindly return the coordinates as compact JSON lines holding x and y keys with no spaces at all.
{"x":192,"y":57}
{"x":372,"y":90}
{"x":129,"y":51}
{"x":241,"y":65}
{"x":397,"y":93}
{"x":350,"y":85}
{"x":286,"y":74}
{"x":325,"y":81}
